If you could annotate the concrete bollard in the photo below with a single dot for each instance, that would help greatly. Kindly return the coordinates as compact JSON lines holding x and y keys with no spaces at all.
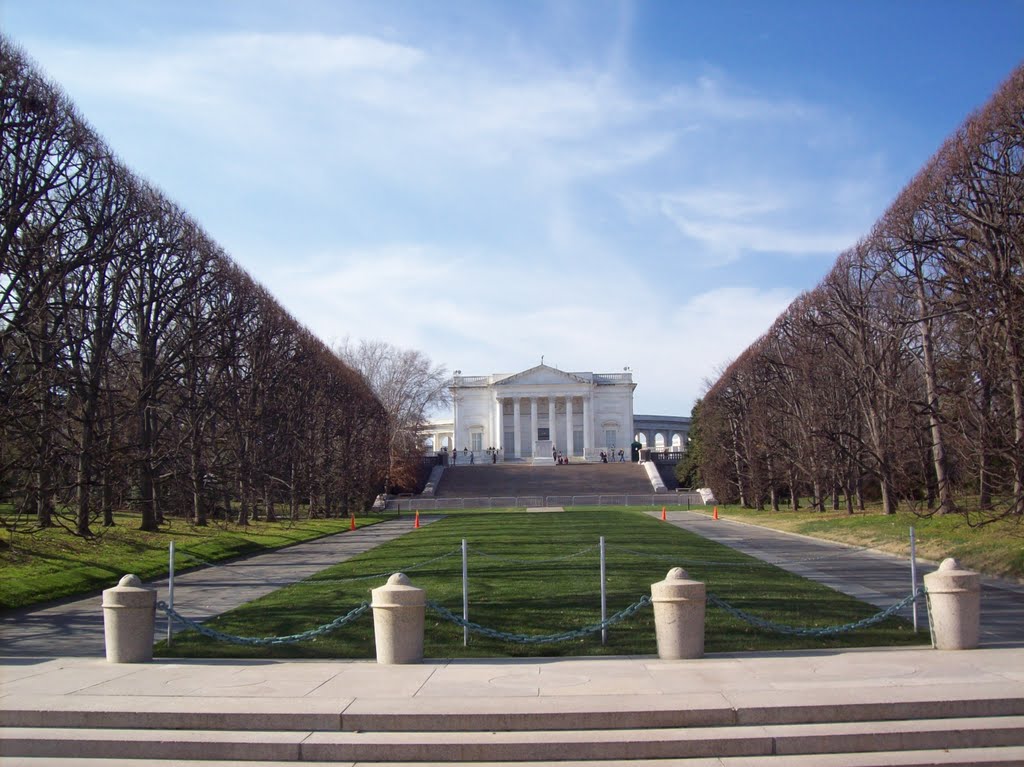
{"x":129,"y":613}
{"x":679,"y":605}
{"x":954,"y":606}
{"x":398,"y":614}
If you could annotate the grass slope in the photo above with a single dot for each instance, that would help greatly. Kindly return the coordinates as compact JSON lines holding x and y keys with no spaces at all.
{"x":994,"y":549}
{"x":539,"y":574}
{"x":50,"y":564}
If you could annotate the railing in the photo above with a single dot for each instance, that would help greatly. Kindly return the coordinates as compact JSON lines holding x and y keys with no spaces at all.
{"x":661,"y":456}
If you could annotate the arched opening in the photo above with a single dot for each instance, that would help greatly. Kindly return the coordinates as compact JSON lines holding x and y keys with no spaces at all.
{"x":659,"y":441}
{"x":677,"y":441}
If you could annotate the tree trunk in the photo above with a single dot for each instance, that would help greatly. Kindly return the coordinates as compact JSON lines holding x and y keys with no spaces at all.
{"x":147,"y":472}
{"x":268,"y":504}
{"x":243,"y":512}
{"x":939,"y":459}
{"x":984,"y":477}
{"x":83,"y":480}
{"x":198,"y":472}
{"x":888,"y":502}
{"x":1017,"y":393}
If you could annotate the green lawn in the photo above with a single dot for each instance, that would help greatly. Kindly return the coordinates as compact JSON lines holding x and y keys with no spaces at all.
{"x":539,"y":574}
{"x":994,"y":549}
{"x":53,"y":563}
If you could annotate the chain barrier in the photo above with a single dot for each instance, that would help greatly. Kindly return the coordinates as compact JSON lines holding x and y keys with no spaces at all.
{"x":512,"y":560}
{"x":781,"y":628}
{"x":263,"y":641}
{"x":564,"y":636}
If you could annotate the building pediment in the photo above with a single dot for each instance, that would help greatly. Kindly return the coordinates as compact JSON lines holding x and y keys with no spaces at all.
{"x":541,"y":375}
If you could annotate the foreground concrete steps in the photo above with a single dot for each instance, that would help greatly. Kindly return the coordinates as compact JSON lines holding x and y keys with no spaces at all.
{"x":440,"y":714}
{"x":538,"y":745}
{"x":968,"y":757}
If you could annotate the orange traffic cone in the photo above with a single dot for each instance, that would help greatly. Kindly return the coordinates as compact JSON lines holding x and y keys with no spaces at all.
{"x":416,"y":524}
{"x":662,"y":513}
{"x":716,"y":513}
{"x":353,"y":525}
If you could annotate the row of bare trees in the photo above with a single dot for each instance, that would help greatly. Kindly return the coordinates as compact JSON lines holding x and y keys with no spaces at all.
{"x":901,"y":375}
{"x":139,"y":366}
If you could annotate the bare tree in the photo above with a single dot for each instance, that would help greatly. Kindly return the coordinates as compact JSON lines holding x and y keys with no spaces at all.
{"x":409,"y":386}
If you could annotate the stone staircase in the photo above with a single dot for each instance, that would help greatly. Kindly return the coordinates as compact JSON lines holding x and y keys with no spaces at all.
{"x":984,"y":728}
{"x":517,"y":479}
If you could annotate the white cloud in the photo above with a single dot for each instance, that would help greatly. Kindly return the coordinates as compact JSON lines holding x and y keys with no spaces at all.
{"x":731,"y":223}
{"x":458,"y":309}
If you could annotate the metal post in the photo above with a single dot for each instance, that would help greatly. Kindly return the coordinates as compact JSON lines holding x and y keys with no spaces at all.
{"x":604,"y":597}
{"x":913,"y":572}
{"x":465,"y":595}
{"x":170,"y":590}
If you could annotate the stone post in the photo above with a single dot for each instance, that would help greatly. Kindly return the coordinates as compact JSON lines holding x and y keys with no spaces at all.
{"x":954,"y":606}
{"x":398,"y":614}
{"x":129,"y":613}
{"x":679,"y":615}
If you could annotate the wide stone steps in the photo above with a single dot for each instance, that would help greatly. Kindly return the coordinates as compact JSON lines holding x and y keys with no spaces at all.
{"x":830,"y":728}
{"x":513,"y":480}
{"x":524,"y":745}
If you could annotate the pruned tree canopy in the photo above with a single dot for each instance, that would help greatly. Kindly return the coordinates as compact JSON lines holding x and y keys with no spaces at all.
{"x":140,"y":368}
{"x":901,"y":375}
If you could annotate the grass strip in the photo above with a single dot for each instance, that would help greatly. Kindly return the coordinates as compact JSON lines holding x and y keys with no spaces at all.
{"x":50,"y":564}
{"x":539,"y":574}
{"x":993,"y":549}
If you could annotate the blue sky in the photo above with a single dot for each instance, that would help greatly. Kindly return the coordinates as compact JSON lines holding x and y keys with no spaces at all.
{"x":607,"y":184}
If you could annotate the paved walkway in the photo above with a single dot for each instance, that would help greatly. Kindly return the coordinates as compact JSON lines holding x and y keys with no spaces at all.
{"x":75,"y":628}
{"x":874,"y":577}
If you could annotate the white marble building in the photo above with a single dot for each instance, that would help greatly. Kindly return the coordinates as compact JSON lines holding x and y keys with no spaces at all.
{"x":538,"y":411}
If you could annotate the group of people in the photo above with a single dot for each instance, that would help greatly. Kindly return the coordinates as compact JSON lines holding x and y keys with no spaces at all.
{"x":471,"y":455}
{"x":558,"y":458}
{"x":604,"y":456}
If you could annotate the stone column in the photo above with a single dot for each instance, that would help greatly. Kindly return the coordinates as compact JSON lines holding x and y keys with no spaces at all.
{"x":533,"y":426}
{"x":679,"y":615}
{"x":499,"y":433}
{"x":954,"y":606}
{"x":551,"y":418}
{"x":129,"y":613}
{"x":398,"y":617}
{"x":568,"y":424}
{"x":455,"y":421}
{"x":517,"y":425}
{"x":588,"y":437}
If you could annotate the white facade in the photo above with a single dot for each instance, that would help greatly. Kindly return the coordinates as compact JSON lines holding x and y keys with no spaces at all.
{"x":530,"y":415}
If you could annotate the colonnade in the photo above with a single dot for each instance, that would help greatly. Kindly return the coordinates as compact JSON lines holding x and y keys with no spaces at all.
{"x":671,"y":439}
{"x":516,"y":449}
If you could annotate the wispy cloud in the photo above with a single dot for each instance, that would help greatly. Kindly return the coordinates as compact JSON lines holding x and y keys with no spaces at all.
{"x":729,"y":224}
